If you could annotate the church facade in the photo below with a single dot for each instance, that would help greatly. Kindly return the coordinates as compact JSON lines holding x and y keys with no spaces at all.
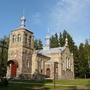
{"x":26,"y":62}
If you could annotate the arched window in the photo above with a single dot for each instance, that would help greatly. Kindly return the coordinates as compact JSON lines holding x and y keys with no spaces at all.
{"x":25,"y":38}
{"x":19,"y":38}
{"x":13,"y":38}
{"x":30,"y":41}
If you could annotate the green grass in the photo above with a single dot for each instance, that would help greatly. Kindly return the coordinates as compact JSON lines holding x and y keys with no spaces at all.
{"x":61,"y":82}
{"x":74,"y":82}
{"x":41,"y":85}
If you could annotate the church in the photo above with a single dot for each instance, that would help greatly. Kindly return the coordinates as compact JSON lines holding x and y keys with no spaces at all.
{"x":27,"y":63}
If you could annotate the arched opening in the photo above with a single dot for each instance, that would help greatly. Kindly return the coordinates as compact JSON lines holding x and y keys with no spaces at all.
{"x":48,"y":72}
{"x":13,"y":65}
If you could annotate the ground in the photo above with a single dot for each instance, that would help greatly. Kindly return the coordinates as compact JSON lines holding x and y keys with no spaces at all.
{"x":77,"y":84}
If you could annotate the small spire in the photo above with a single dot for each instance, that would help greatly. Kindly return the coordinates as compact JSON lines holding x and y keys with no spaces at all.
{"x":47,"y":38}
{"x":23,"y":20}
{"x":47,"y":42}
{"x":66,"y":41}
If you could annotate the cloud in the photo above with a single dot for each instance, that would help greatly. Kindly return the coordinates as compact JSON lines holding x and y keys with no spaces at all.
{"x":69,"y":14}
{"x":68,"y":11}
{"x":36,"y":19}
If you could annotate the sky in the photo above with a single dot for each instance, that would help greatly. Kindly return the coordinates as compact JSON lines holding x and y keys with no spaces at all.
{"x":47,"y":15}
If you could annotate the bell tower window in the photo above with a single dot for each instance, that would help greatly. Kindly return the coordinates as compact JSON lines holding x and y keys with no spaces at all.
{"x":13,"y":38}
{"x":25,"y":38}
{"x":19,"y":38}
{"x":30,"y":41}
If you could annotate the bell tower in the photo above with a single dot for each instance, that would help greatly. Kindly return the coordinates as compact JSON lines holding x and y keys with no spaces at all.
{"x":20,"y":51}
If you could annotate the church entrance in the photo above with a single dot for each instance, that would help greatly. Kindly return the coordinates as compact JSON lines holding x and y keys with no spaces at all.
{"x":48,"y":72}
{"x":13,"y":68}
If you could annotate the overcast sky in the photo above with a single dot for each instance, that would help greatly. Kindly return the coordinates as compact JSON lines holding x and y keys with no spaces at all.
{"x":41,"y":15}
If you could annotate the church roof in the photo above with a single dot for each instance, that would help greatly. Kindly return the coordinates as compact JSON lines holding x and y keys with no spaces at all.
{"x":22,"y":25}
{"x":20,"y":28}
{"x":51,"y":50}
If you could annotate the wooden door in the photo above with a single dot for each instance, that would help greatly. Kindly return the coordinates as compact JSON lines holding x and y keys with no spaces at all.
{"x":13,"y":70}
{"x":48,"y":72}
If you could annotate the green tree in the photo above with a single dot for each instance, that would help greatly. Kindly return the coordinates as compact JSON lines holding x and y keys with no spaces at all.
{"x":76,"y":61}
{"x":87,"y":57}
{"x":61,"y":40}
{"x":54,"y":42}
{"x":71,"y":43}
{"x":3,"y":55}
{"x":38,"y":44}
{"x":2,"y":70}
{"x":83,"y":68}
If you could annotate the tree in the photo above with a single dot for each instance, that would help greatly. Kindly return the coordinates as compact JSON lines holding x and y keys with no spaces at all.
{"x":83,"y":68}
{"x":87,"y":57}
{"x":61,"y":40}
{"x":3,"y":55}
{"x":76,"y":61}
{"x":38,"y":44}
{"x":54,"y":42}
{"x":2,"y":70}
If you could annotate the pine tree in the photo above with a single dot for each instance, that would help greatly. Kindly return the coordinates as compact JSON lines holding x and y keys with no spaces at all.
{"x":83,"y":68}
{"x":54,"y":42}
{"x":4,"y":43}
{"x":38,"y":44}
{"x":61,"y":40}
{"x":87,"y":57}
{"x":76,"y":61}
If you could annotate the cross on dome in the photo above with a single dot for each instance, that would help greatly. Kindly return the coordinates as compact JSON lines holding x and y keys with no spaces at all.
{"x":23,"y":20}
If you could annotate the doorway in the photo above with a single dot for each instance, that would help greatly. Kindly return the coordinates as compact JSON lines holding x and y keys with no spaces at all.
{"x":13,"y":65}
{"x":48,"y":72}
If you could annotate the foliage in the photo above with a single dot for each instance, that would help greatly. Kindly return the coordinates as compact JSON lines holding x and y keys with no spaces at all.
{"x":3,"y":55}
{"x":54,"y":42}
{"x":3,"y":82}
{"x":38,"y":44}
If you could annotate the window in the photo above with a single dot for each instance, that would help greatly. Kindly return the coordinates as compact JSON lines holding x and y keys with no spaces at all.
{"x":13,"y":38}
{"x":19,"y":38}
{"x":25,"y":38}
{"x":30,"y":41}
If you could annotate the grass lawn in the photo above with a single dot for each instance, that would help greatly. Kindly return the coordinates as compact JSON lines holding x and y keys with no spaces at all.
{"x":74,"y":82}
{"x":45,"y":84}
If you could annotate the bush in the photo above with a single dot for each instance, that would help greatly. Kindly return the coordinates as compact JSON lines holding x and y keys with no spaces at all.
{"x":3,"y":82}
